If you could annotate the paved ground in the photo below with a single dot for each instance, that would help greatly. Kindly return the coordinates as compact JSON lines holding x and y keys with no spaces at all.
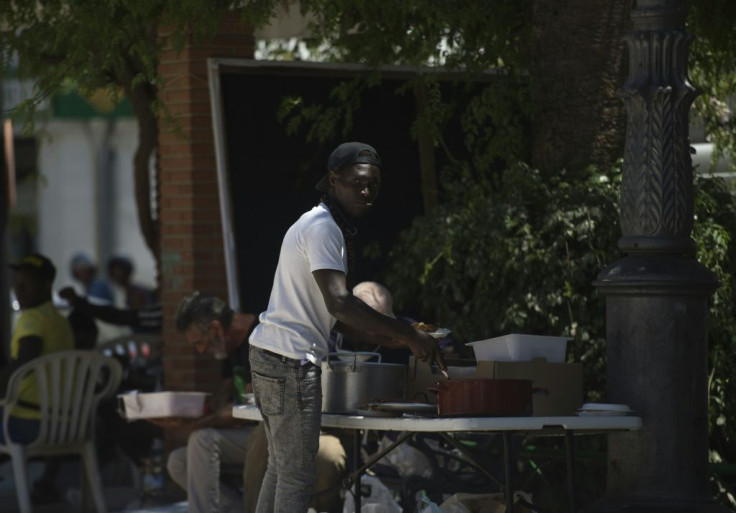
{"x":121,"y":494}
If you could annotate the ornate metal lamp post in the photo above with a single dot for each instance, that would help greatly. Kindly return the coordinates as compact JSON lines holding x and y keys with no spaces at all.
{"x":657,"y":295}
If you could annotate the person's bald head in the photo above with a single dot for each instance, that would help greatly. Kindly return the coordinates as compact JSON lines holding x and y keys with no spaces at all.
{"x":376,"y":296}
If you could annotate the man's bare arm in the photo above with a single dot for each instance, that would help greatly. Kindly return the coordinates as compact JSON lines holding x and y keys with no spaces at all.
{"x":367,"y":337}
{"x":351,"y":311}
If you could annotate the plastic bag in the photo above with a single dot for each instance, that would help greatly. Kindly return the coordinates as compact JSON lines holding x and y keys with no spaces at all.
{"x":485,"y":503}
{"x":406,"y":459}
{"x":431,"y":507}
{"x":426,"y":505}
{"x":379,"y":499}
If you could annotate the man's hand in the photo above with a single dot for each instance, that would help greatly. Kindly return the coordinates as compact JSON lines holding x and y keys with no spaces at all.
{"x":70,"y":295}
{"x":426,"y":349}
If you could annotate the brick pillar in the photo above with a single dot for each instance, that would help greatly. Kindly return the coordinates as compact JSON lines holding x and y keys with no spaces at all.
{"x":192,"y":255}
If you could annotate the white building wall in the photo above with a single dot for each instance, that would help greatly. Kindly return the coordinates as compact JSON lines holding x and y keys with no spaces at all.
{"x":68,"y":203}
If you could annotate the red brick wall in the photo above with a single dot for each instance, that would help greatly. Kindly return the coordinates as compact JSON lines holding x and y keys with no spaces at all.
{"x":192,"y":256}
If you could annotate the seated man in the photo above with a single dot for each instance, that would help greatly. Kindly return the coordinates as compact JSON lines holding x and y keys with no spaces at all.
{"x":120,"y":269}
{"x":213,"y":329}
{"x":134,"y":438}
{"x":39,"y":330}
{"x":147,"y":319}
{"x":84,"y":270}
{"x":216,"y":438}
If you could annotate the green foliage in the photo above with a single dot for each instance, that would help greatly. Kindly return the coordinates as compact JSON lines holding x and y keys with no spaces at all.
{"x":87,"y":43}
{"x":518,"y":256}
{"x":509,"y":250}
{"x":419,"y":32}
{"x":449,"y":48}
{"x":514,"y":251}
{"x":715,"y":210}
{"x":713,"y":68}
{"x":325,"y":122}
{"x":101,"y":44}
{"x":522,"y":254}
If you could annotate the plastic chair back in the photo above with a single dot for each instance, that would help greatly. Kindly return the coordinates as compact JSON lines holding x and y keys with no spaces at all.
{"x":70,"y":386}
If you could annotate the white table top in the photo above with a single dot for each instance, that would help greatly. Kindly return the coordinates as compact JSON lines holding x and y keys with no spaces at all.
{"x":449,"y":424}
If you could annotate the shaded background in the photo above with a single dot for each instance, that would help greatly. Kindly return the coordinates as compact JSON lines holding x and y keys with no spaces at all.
{"x":272,"y":175}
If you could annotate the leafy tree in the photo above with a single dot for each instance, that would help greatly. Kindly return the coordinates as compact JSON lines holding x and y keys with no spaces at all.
{"x":713,"y":62}
{"x":519,"y":257}
{"x":110,"y":45}
{"x":517,"y":247}
{"x":512,"y":245}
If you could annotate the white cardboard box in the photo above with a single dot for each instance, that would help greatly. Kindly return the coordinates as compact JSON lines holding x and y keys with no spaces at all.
{"x":135,"y":405}
{"x":562,"y":383}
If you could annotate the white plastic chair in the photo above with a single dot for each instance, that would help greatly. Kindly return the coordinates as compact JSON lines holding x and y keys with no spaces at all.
{"x":71,"y":385}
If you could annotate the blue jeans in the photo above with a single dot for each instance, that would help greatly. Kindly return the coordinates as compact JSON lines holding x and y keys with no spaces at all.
{"x":289,"y":396}
{"x":22,"y":431}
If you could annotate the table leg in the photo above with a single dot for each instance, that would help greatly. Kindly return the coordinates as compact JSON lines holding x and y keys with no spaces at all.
{"x":470,"y":456}
{"x":570,"y":463}
{"x":508,"y":470}
{"x":357,"y":496}
{"x":358,"y":470}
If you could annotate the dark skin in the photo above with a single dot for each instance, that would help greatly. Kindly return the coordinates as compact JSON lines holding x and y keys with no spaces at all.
{"x":117,"y":316}
{"x":355,"y":188}
{"x":84,"y":274}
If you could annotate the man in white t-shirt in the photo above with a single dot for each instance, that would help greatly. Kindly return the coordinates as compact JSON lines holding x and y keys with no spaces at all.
{"x":308,"y":299}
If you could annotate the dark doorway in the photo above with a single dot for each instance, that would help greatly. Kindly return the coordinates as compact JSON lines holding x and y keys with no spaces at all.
{"x":271,"y":175}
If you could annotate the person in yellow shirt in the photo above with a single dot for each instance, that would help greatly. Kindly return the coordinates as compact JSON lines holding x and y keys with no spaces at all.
{"x":40,"y":329}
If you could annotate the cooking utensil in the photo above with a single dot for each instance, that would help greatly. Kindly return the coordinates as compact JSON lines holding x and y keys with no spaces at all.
{"x":484,"y":397}
{"x":440,"y":361}
{"x":350,"y":384}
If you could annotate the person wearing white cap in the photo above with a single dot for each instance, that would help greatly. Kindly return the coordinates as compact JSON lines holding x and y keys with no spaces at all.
{"x":84,"y":270}
{"x":309,"y":297}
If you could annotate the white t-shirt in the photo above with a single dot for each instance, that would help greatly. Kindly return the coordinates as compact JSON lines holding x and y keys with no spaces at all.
{"x":297,"y":315}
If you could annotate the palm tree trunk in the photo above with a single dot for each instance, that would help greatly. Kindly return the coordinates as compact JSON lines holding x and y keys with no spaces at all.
{"x":578,"y":65}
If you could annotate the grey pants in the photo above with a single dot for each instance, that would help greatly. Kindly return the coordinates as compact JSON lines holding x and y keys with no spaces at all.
{"x":289,"y":396}
{"x":196,"y":468}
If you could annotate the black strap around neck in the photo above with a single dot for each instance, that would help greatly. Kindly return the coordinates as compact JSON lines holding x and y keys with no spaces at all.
{"x":349,"y":231}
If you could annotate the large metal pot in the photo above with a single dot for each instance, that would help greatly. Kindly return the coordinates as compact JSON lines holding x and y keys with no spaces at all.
{"x":350,"y":381}
{"x":484,"y":397}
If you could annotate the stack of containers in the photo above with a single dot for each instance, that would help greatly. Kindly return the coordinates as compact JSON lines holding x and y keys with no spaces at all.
{"x":539,"y":358}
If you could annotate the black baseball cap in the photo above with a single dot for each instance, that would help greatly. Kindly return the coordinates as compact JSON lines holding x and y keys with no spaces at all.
{"x":348,"y":154}
{"x":39,"y":265}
